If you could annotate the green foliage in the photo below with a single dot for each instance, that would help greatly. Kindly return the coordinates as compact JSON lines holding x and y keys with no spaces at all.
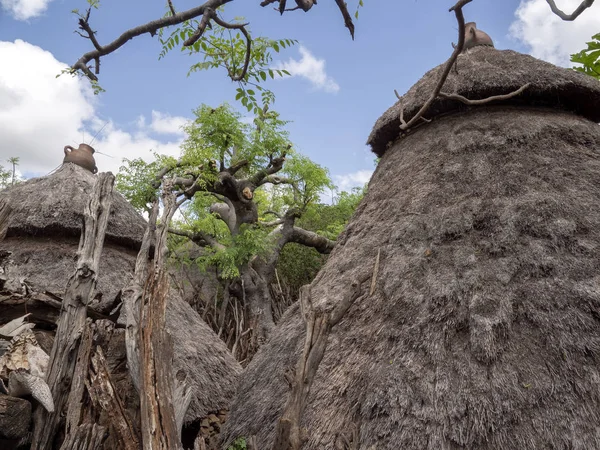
{"x":589,"y":58}
{"x":224,"y":48}
{"x":5,"y":177}
{"x":238,"y":444}
{"x":360,"y":5}
{"x":96,"y":88}
{"x":136,"y":180}
{"x":239,"y":249}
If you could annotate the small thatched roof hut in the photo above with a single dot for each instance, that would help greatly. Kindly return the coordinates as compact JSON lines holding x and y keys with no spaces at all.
{"x":42,"y":238}
{"x":483,"y":331}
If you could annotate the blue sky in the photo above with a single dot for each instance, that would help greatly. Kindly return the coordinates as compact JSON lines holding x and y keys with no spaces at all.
{"x":339,"y":89}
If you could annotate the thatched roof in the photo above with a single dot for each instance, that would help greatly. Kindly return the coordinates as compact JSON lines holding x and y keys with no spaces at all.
{"x":209,"y":366}
{"x":42,"y":239}
{"x":53,"y":206}
{"x":483,"y":72}
{"x":483,"y":331}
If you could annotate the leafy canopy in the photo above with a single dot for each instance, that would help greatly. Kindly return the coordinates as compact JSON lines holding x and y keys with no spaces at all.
{"x":216,"y":140}
{"x":589,"y":58}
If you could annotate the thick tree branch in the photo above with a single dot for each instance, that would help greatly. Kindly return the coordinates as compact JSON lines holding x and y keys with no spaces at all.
{"x":585,"y":4}
{"x":274,"y":166}
{"x":319,"y":323}
{"x":312,"y":239}
{"x":234,"y":168}
{"x":198,"y":237}
{"x":274,"y":179}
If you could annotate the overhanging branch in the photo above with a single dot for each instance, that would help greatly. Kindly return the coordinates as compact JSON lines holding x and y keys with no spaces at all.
{"x":312,"y":239}
{"x":585,"y":4}
{"x":151,"y":27}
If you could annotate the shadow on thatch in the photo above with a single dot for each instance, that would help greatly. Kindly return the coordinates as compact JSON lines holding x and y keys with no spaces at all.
{"x":484,"y":72}
{"x":484,"y":328}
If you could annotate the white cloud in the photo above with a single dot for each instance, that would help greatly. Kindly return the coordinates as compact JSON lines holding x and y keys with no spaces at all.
{"x":40,"y":114}
{"x":24,"y":9}
{"x":549,"y":37}
{"x":350,"y":180}
{"x":312,"y":69}
{"x":166,"y":124}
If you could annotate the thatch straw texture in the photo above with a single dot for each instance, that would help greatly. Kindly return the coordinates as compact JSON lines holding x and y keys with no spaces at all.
{"x":484,"y":328}
{"x":53,"y":206}
{"x":483,"y":72}
{"x":43,"y":239}
{"x":45,"y":264}
{"x":210,"y":368}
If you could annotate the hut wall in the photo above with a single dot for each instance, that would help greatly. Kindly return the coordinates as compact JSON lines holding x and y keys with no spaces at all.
{"x":46,"y":263}
{"x":484,"y":328}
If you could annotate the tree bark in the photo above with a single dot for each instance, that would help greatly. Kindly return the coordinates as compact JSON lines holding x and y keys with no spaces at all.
{"x":104,"y":396}
{"x":72,"y":319}
{"x":164,"y":396}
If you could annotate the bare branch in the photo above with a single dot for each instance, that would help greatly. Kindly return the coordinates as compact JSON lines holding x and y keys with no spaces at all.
{"x":483,"y":101}
{"x":208,"y":13}
{"x":585,"y":4}
{"x":171,"y":7}
{"x":346,"y":15}
{"x":151,"y":27}
{"x":91,"y":35}
{"x":274,"y":179}
{"x":311,"y":239}
{"x":274,"y":166}
{"x":457,"y":50}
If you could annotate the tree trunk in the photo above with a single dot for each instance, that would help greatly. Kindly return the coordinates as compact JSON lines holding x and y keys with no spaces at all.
{"x":258,"y":302}
{"x":149,"y":346}
{"x":71,"y":323}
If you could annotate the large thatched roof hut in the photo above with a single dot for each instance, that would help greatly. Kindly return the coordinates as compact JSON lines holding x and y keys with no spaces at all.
{"x":41,"y":244}
{"x":483,"y":331}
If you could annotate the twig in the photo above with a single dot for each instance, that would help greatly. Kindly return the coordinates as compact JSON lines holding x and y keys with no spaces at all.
{"x":585,"y":4}
{"x":346,"y":15}
{"x":483,"y":101}
{"x":242,"y":28}
{"x":457,"y":50}
{"x":171,"y":7}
